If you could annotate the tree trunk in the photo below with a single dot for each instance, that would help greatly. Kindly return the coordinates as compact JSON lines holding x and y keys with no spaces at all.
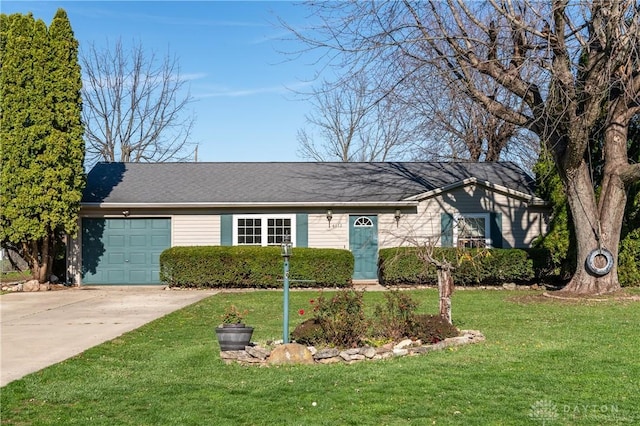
{"x":596,"y":227}
{"x":38,"y":255}
{"x":445,"y":289}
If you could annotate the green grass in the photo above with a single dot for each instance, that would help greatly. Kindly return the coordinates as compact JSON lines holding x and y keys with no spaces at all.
{"x":580,"y":357}
{"x":7,"y":277}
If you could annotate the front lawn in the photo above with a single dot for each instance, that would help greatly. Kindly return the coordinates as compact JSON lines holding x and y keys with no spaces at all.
{"x":544,"y":362}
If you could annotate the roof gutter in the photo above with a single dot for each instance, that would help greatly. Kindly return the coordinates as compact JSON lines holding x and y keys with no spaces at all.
{"x":403,"y":203}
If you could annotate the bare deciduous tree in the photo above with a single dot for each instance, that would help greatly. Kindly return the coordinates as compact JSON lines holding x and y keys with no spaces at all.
{"x":460,"y":129}
{"x":568,"y":64}
{"x":135,"y":106}
{"x":353,"y":126}
{"x":442,"y":122}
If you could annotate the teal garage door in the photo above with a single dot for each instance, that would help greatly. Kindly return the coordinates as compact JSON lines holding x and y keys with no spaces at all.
{"x":123,"y":251}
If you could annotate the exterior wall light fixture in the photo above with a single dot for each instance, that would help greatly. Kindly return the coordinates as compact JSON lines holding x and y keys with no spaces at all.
{"x":397,"y":217}
{"x":329,"y":216}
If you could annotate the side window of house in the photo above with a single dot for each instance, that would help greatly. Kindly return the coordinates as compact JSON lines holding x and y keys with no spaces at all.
{"x":471,"y":230}
{"x":263,"y":230}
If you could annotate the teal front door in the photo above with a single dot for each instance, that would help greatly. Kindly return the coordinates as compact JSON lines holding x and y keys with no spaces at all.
{"x":363,"y":243}
{"x":123,"y":251}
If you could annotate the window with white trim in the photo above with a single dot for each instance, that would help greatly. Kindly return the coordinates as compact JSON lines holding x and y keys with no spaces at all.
{"x":263,"y":230}
{"x":471,"y":230}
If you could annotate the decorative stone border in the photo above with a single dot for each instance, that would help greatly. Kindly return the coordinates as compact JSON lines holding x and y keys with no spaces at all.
{"x":294,"y":353}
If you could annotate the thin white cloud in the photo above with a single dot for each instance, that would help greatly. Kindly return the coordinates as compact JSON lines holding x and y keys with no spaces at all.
{"x":226,"y":92}
{"x":237,"y":93}
{"x":193,"y":76}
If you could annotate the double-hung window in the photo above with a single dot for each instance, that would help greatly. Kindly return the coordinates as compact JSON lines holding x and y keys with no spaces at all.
{"x":471,"y":230}
{"x":263,"y":230}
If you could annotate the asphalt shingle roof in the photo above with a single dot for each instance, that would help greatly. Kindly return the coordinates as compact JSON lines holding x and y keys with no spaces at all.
{"x":288,"y":182}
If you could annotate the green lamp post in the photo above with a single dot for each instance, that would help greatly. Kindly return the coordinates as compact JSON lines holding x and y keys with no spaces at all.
{"x":286,"y":254}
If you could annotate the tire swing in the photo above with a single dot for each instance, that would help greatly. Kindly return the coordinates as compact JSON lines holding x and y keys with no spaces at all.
{"x":591,"y":262}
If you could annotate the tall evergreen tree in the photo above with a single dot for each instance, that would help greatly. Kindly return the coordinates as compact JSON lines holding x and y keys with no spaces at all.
{"x":42,"y":151}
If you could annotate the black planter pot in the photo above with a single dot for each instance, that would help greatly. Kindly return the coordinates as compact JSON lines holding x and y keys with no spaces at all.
{"x":233,"y":337}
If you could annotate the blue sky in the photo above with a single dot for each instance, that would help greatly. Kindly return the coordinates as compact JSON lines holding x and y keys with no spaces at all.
{"x":231,"y":53}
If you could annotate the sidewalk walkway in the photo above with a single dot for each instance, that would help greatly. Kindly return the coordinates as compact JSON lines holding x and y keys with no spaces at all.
{"x":44,"y":328}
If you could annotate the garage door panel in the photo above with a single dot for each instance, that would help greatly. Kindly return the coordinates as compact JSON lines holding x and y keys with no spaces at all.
{"x":139,"y":258}
{"x":139,"y":276}
{"x":123,"y":251}
{"x":115,"y":240}
{"x":161,"y":225}
{"x":137,"y":240}
{"x":115,"y":276}
{"x":115,"y":258}
{"x":160,"y":240}
{"x":143,"y":224}
{"x":116,"y":224}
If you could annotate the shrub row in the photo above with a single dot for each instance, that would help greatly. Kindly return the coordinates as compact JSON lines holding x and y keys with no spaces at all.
{"x":401,"y":265}
{"x":256,"y":267}
{"x":629,"y":259}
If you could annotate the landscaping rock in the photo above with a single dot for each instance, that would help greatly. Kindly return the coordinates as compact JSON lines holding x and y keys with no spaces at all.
{"x":344,"y":355}
{"x":290,"y":353}
{"x":400,"y":352}
{"x":326,"y":353}
{"x":384,"y":355}
{"x":403,"y":344}
{"x":257,"y":352}
{"x":419,"y":350}
{"x":352,"y":355}
{"x":32,"y":285}
{"x":369,"y":352}
{"x":332,"y":360}
{"x":13,"y":287}
{"x":236,"y":356}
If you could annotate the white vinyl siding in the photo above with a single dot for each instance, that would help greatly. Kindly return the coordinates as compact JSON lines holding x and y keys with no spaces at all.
{"x":520,"y":223}
{"x":196,"y":230}
{"x":325,"y":235}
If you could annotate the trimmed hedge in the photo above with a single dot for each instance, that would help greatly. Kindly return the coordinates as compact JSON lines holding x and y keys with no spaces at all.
{"x":629,"y":259}
{"x":254,"y":267}
{"x":401,"y":265}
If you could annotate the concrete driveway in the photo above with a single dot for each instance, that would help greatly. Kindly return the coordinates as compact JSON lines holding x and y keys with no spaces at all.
{"x":43,"y":328}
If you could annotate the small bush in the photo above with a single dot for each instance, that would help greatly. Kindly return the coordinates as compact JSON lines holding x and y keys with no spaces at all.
{"x":392,"y":320}
{"x":310,"y":332}
{"x":430,"y":328}
{"x":342,"y":318}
